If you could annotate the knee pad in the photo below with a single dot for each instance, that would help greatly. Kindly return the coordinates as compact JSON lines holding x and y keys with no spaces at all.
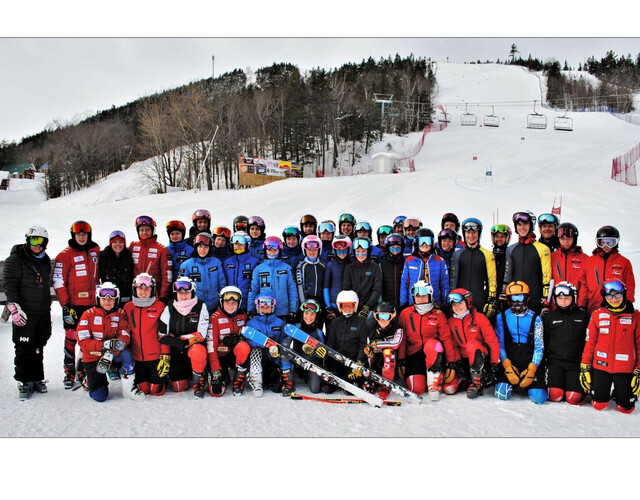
{"x":144,"y":387}
{"x":574,"y":398}
{"x":503,"y":391}
{"x":157,"y":389}
{"x":538,"y":396}
{"x":416,"y":383}
{"x":179,"y":385}
{"x":602,"y":405}
{"x":451,"y":387}
{"x":100,"y":394}
{"x":556,"y":394}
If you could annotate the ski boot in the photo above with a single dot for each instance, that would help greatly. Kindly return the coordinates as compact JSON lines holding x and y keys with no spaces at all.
{"x":434,"y":382}
{"x":40,"y":386}
{"x":130,"y":390}
{"x":255,"y":381}
{"x":69,"y":376}
{"x":217,"y":385}
{"x":81,"y":375}
{"x":238,"y":380}
{"x":113,"y":372}
{"x":475,"y":389}
{"x":25,"y":390}
{"x":197,"y":380}
{"x":288,"y":383}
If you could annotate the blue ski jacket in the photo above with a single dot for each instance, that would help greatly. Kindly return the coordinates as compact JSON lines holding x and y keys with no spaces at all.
{"x":180,"y":252}
{"x":333,"y":280}
{"x":274,"y":276}
{"x":209,"y":277}
{"x":414,"y":270}
{"x":256,"y":249}
{"x":519,"y":327}
{"x":238,"y":270}
{"x":272,"y":327}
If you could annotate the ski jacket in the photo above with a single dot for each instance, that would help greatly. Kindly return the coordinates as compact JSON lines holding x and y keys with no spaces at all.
{"x":553,"y":243}
{"x":376,"y":254}
{"x":408,"y":247}
{"x":273,"y":327}
{"x":568,"y":266}
{"x":531,"y":263}
{"x":564,"y":337}
{"x":391,"y":268}
{"x":446,"y":256}
{"x":474,"y":328}
{"x":390,"y":338}
{"x":95,"y":326}
{"x":613,"y":340}
{"x":309,"y":277}
{"x":180,"y":251}
{"x":192,"y":325}
{"x":209,"y":277}
{"x":600,"y":268}
{"x":75,"y":275}
{"x":327,"y":252}
{"x":117,"y":270}
{"x":366,"y":280}
{"x":475,"y":270}
{"x":144,"y":323}
{"x":274,"y":276}
{"x":153,"y":258}
{"x":418,"y":328}
{"x":435,"y":272}
{"x":220,"y":326}
{"x":256,"y":249}
{"x":291,"y":256}
{"x":26,"y":280}
{"x":520,"y":330}
{"x":333,"y":277}
{"x":222,"y":253}
{"x":238,"y":270}
{"x":503,"y":268}
{"x":348,"y":336}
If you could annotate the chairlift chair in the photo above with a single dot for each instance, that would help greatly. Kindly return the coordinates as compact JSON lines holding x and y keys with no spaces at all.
{"x":491,"y":120}
{"x":536,"y":120}
{"x":442,"y":116}
{"x":563,"y":122}
{"x":468,"y":119}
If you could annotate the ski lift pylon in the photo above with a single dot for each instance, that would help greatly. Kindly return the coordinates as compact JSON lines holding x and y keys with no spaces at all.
{"x":536,"y":120}
{"x":563,"y":122}
{"x":468,"y":119}
{"x":491,"y":120}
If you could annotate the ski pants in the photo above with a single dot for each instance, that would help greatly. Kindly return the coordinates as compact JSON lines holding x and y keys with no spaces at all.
{"x":71,"y":339}
{"x":601,"y":382}
{"x":98,"y":382}
{"x":29,"y":341}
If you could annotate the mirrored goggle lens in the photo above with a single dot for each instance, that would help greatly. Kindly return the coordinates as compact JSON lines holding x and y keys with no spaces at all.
{"x":517,"y":298}
{"x":233,"y":296}
{"x":425,"y":240}
{"x":399,"y":220}
{"x":272,"y":245}
{"x":566,"y":231}
{"x":471,"y":226}
{"x":81,"y":227}
{"x":238,"y":238}
{"x":420,"y":290}
{"x":307,"y":220}
{"x":108,"y":293}
{"x":143,"y":220}
{"x":36,"y":240}
{"x":256,"y":220}
{"x":222,"y":231}
{"x":143,"y":282}
{"x":412,"y":223}
{"x":607,"y":242}
{"x":314,"y":245}
{"x":310,"y":306}
{"x":351,"y":305}
{"x":326,"y":227}
{"x":562,"y":290}
{"x":201,"y":214}
{"x":613,"y":287}
{"x":241,"y":226}
{"x":182,"y":286}
{"x":500,"y":228}
{"x":385,"y":230}
{"x":363,"y":226}
{"x":383,"y":316}
{"x":361,"y":244}
{"x":547,"y":219}
{"x":290,"y":231}
{"x":265,"y":301}
{"x":521,"y":217}
{"x":201,"y":239}
{"x":117,"y":234}
{"x":455,"y":298}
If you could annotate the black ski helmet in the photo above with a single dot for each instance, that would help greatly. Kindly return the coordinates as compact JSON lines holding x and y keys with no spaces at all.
{"x":449,"y":217}
{"x":241,"y":223}
{"x":570,"y":230}
{"x":608,"y":232}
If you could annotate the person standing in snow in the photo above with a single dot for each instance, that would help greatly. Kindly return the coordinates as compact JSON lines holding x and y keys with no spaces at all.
{"x":26,"y":277}
{"x":309,"y":274}
{"x":200,"y":223}
{"x":548,"y":224}
{"x":500,"y":237}
{"x":326,"y":230}
{"x":238,"y":269}
{"x":334,"y":274}
{"x":116,"y":265}
{"x":178,"y":247}
{"x":363,"y":276}
{"x":257,"y":228}
{"x":567,"y":262}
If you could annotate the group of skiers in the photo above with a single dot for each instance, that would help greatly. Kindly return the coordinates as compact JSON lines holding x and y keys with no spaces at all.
{"x":439,"y":312}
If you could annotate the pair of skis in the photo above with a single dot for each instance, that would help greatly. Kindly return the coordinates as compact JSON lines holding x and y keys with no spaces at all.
{"x":338,"y":401}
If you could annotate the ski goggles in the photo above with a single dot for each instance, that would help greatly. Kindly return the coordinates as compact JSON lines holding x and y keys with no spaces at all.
{"x":420,"y":290}
{"x":201,"y":214}
{"x":347,"y":218}
{"x":519,"y":297}
{"x":256,"y":220}
{"x":222,"y":231}
{"x":547,"y":219}
{"x":523,"y":217}
{"x":412,"y":224}
{"x":471,"y":226}
{"x":143,"y":282}
{"x":500,"y":228}
{"x":143,"y":220}
{"x":272,"y":245}
{"x":613,"y":288}
{"x":313,"y":245}
{"x":310,"y":305}
{"x":384,"y":230}
{"x":240,"y":226}
{"x":81,"y":227}
{"x":202,"y":239}
{"x":455,"y":298}
{"x":290,"y":231}
{"x":383,"y":316}
{"x":327,"y":227}
{"x":117,"y":234}
{"x":562,"y":290}
{"x":362,"y":226}
{"x":37,"y":240}
{"x":361,"y":243}
{"x":182,"y":286}
{"x":308,"y":220}
{"x":265,"y":302}
{"x":425,"y":240}
{"x":607,"y":242}
{"x":231,"y":296}
{"x":108,"y":293}
{"x":239,"y":238}
{"x":566,"y":231}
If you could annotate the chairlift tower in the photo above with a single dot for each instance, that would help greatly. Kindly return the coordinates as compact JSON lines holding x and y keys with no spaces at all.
{"x":382,"y":99}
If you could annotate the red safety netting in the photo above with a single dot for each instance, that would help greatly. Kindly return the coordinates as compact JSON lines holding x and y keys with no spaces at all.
{"x":623,"y":168}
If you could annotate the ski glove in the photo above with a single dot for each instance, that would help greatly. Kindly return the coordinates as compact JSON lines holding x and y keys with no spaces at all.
{"x":231,"y":340}
{"x":189,"y":341}
{"x":490,"y":308}
{"x":527,"y":375}
{"x":585,"y":376}
{"x":364,"y":313}
{"x":274,"y":352}
{"x":491,"y":376}
{"x":164,"y":365}
{"x":69,"y":315}
{"x":292,"y":317}
{"x":114,"y":345}
{"x":356,"y":372}
{"x":635,"y":382}
{"x":369,"y":349}
{"x":544,"y":304}
{"x":512,"y":373}
{"x":18,"y":316}
{"x":450,"y":372}
{"x":331,"y":313}
{"x":216,"y":382}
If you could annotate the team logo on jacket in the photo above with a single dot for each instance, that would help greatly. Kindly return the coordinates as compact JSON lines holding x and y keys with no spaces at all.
{"x":97,"y":320}
{"x":622,"y":357}
{"x":555,"y":322}
{"x":213,"y":269}
{"x":79,"y":258}
{"x":282,"y":271}
{"x":604,"y":331}
{"x":616,"y":270}
{"x":604,"y":315}
{"x":625,"y":320}
{"x":599,"y":362}
{"x":222,"y":321}
{"x":604,"y":323}
{"x":602,"y":354}
{"x":152,"y":256}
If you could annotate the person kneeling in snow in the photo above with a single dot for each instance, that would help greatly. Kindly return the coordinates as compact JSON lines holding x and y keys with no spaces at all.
{"x":519,"y":332}
{"x":103,"y":336}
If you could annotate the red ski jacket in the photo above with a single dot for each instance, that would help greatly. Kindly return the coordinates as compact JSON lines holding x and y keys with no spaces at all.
{"x":221,"y":325}
{"x":474,"y":328}
{"x":144,"y":323}
{"x":95,"y":326}
{"x":152,"y":257}
{"x":613,"y":341}
{"x":76,"y":275}
{"x":597,"y":271}
{"x":419,"y":328}
{"x":568,"y":266}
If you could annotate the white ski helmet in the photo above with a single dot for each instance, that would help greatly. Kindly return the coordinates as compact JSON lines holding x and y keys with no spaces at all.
{"x":37,"y":231}
{"x":422,"y":287}
{"x":230,"y":292}
{"x":183,"y":283}
{"x":108,"y":289}
{"x":347,"y":296}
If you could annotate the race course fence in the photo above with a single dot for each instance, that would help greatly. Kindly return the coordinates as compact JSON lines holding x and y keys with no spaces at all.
{"x":623,"y":168}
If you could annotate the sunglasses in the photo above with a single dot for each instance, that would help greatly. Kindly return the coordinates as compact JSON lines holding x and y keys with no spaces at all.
{"x":37,"y":240}
{"x":108,"y":293}
{"x":81,"y":227}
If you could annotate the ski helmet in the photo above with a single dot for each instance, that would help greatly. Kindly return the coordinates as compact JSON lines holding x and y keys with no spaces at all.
{"x":565,"y":288}
{"x":472,"y":224}
{"x":385,"y":311}
{"x":363,"y":226}
{"x":517,"y":293}
{"x":421,"y":287}
{"x":242,"y":238}
{"x":176,"y":225}
{"x":291,"y":231}
{"x":422,"y":236}
{"x":81,"y":226}
{"x":37,"y":235}
{"x":526,"y":217}
{"x":308,"y":219}
{"x":143,"y":280}
{"x":311,"y":241}
{"x":241,"y":223}
{"x":230,"y":293}
{"x":347,"y":217}
{"x":362,"y":242}
{"x":341,"y":238}
{"x":447,"y":233}
{"x":548,"y":219}
{"x":272,"y":242}
{"x":459,"y":295}
{"x":257,"y":221}
{"x":145,"y":220}
{"x":346,"y":296}
{"x":223,"y":232}
{"x":203,"y":239}
{"x":412,"y":223}
{"x":449,"y":217}
{"x":327,"y":226}
{"x":108,"y":290}
{"x":608,"y":236}
{"x":310,"y":305}
{"x":393,"y":240}
{"x":570,"y":230}
{"x":501,"y":229}
{"x":613,"y":286}
{"x":385,"y":231}
{"x":183,"y":284}
{"x":201,"y":214}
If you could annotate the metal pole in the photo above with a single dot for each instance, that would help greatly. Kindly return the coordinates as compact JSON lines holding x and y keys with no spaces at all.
{"x":195,"y":185}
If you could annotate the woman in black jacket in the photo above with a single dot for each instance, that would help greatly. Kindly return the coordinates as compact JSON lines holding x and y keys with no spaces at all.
{"x":116,"y":265}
